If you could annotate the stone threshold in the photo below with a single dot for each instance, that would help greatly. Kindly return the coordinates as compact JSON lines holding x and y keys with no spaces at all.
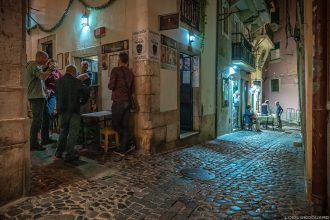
{"x":188,"y":134}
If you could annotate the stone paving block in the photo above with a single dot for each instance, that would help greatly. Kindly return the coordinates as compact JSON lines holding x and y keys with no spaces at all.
{"x":258,"y":176}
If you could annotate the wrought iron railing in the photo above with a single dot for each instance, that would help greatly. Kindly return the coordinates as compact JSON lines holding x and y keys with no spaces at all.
{"x":189,"y":13}
{"x":242,"y":50}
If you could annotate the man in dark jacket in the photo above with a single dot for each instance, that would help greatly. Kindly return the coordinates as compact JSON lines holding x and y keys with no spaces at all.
{"x":122,"y":86}
{"x":71,"y":93}
{"x":279,"y":111}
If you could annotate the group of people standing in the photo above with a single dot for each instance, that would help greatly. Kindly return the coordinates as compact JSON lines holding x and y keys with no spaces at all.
{"x":250,"y":116}
{"x":48,"y":89}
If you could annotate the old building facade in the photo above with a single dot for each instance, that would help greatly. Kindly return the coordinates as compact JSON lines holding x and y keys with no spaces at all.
{"x":243,"y":46}
{"x":173,"y":73}
{"x":280,"y":76}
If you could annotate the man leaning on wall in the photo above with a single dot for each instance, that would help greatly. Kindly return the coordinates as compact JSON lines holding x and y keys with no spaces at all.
{"x":37,"y":72}
{"x":122,"y":85}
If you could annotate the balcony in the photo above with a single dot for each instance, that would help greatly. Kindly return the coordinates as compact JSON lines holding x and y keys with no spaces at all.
{"x":242,"y":55}
{"x":190,"y":13}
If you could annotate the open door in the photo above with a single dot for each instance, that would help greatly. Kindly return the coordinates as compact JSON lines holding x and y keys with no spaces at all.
{"x":186,"y":93}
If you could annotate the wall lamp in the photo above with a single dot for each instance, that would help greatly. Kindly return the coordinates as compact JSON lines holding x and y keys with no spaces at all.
{"x":84,"y":20}
{"x":192,"y":38}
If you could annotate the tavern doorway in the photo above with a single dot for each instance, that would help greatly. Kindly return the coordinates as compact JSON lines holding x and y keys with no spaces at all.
{"x":186,"y":94}
{"x":189,"y":95}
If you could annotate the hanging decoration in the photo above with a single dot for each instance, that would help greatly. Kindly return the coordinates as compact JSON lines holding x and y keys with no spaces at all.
{"x":60,"y":21}
{"x":90,"y":7}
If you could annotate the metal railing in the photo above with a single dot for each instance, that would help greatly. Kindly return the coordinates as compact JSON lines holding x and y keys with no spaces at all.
{"x":189,"y":13}
{"x":292,"y":116}
{"x":242,"y":50}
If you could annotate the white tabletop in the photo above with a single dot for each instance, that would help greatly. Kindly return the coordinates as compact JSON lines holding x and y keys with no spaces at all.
{"x":98,"y":114}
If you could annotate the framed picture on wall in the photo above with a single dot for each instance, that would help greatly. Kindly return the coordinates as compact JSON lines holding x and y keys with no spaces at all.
{"x":67,"y":58}
{"x":60,"y":61}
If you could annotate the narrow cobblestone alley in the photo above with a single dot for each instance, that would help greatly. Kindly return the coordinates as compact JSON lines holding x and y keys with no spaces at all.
{"x":257,"y":176}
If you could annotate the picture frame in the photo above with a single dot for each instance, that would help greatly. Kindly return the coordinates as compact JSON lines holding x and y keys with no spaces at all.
{"x":67,"y":58}
{"x":60,"y":61}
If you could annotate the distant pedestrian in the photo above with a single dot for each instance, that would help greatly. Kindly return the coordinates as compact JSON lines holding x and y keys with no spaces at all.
{"x":236,"y":104}
{"x":37,"y":71}
{"x":250,"y":118}
{"x":122,"y":85}
{"x":70,"y":93}
{"x":50,"y":103}
{"x":265,"y":108}
{"x":279,"y":111}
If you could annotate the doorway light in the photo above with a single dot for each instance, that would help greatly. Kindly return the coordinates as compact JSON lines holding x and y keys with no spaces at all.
{"x":84,"y":20}
{"x":192,"y":38}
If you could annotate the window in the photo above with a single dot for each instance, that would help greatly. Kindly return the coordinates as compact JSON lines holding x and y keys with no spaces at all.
{"x":189,"y":13}
{"x":275,"y":53}
{"x":275,"y":16}
{"x":225,"y":28}
{"x":225,"y":92}
{"x":275,"y":85}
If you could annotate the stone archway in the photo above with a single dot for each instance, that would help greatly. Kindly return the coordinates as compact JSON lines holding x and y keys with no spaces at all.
{"x":14,"y":151}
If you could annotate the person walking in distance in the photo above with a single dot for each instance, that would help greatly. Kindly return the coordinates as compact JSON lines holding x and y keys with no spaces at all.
{"x":37,"y":71}
{"x":70,"y":93}
{"x":278,"y":111}
{"x":122,"y":85}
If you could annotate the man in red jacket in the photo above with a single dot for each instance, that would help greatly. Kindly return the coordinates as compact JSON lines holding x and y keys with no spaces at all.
{"x":122,"y":85}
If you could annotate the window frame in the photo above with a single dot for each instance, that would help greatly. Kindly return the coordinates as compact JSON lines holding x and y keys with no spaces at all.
{"x":271,"y":85}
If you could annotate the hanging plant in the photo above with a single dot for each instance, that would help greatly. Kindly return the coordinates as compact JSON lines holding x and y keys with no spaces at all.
{"x":61,"y":20}
{"x":202,"y":22}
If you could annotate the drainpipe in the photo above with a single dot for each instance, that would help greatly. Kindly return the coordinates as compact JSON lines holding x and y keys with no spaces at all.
{"x":216,"y":70}
{"x":319,"y":140}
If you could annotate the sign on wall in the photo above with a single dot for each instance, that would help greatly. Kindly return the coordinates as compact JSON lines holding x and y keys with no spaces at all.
{"x":168,"y":22}
{"x":168,"y":53}
{"x":195,"y":71}
{"x":154,"y":46}
{"x":146,"y":45}
{"x":115,"y":47}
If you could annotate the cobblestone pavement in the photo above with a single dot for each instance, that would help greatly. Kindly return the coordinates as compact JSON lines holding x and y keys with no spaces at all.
{"x":257,"y":176}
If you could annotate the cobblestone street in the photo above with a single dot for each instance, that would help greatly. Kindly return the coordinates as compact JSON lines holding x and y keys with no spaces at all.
{"x":256,"y":176}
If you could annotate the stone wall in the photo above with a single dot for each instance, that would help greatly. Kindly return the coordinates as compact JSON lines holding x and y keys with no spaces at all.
{"x":14,"y":153}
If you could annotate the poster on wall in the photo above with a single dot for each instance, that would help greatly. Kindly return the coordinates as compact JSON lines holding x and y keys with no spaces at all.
{"x":139,"y":45}
{"x":146,"y":45}
{"x":115,"y":47}
{"x":195,"y":71}
{"x":168,"y":53}
{"x":154,"y":46}
{"x":66,"y":58}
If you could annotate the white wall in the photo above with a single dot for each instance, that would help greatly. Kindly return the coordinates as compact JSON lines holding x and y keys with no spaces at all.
{"x":121,"y":19}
